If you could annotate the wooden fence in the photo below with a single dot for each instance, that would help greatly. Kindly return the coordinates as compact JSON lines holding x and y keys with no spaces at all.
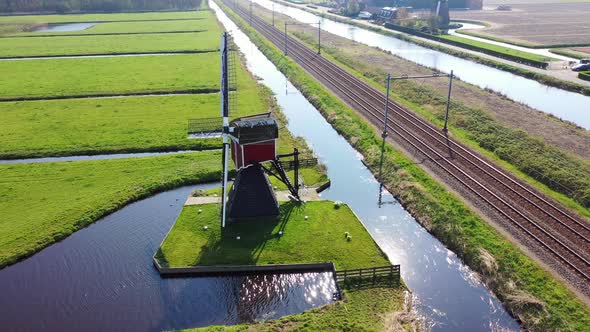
{"x":389,"y":274}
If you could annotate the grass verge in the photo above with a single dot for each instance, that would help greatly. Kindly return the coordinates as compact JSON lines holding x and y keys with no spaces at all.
{"x":530,"y":293}
{"x":585,"y":75}
{"x":499,"y":49}
{"x":570,"y":53}
{"x":370,"y":309}
{"x":319,"y":239}
{"x":44,"y":203}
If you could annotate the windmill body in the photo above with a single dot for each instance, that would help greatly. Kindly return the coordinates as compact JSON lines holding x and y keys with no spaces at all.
{"x":251,"y":142}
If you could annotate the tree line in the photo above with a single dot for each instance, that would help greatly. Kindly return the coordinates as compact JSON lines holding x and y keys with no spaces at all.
{"x":66,"y":6}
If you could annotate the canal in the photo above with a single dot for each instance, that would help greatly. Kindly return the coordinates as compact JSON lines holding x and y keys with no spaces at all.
{"x":566,"y":105}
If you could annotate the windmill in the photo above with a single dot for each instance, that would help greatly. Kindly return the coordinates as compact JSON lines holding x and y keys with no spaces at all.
{"x":252,"y":143}
{"x":442,"y":11}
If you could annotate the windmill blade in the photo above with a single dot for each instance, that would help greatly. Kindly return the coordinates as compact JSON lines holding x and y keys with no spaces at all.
{"x":205,"y":127}
{"x":225,"y":122}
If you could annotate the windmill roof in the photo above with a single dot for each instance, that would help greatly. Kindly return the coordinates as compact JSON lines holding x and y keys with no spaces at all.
{"x":255,"y":128}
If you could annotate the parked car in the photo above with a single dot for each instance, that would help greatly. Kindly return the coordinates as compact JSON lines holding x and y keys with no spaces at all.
{"x":581,"y":67}
{"x":585,"y":61}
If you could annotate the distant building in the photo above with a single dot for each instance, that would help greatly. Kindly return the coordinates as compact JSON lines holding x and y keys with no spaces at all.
{"x":388,"y":13}
{"x":425,"y":4}
{"x":474,"y":4}
{"x":365,"y":15}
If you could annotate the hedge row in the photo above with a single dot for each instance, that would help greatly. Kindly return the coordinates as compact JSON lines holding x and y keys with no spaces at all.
{"x":530,"y":62}
{"x":584,"y":75}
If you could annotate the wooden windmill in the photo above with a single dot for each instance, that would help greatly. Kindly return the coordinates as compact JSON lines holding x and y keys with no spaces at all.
{"x":442,"y":11}
{"x":252,"y":143}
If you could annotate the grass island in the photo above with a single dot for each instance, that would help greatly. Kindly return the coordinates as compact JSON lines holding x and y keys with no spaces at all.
{"x":319,"y":238}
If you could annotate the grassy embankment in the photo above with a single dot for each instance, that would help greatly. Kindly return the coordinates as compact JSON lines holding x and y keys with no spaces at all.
{"x":369,"y":309}
{"x":539,"y":77}
{"x":321,"y":238}
{"x":554,"y":172}
{"x":530,"y":293}
{"x":44,"y":203}
{"x":499,"y":49}
{"x":570,"y":53}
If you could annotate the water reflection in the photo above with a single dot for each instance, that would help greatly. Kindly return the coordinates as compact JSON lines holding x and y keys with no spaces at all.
{"x":60,"y":27}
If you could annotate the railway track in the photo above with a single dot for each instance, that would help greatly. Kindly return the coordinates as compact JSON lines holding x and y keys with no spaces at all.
{"x":563,"y":235}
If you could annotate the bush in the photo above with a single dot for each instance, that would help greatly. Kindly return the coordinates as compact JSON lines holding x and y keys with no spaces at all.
{"x":584,"y":75}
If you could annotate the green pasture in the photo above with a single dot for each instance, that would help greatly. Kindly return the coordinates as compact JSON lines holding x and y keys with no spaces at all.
{"x":206,"y":23}
{"x":501,"y":49}
{"x":43,"y":203}
{"x":320,"y":238}
{"x":104,"y":17}
{"x":109,"y":44}
{"x":111,"y":75}
{"x":91,"y":125}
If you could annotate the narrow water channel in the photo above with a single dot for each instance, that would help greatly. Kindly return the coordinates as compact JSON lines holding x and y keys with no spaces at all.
{"x":449,"y":294}
{"x":94,"y":157}
{"x":67,"y":27}
{"x":566,"y":105}
{"x":101,"y":278}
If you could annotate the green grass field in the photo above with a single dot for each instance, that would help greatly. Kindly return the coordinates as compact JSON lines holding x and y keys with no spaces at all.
{"x":368,"y":309}
{"x":103,"y":17}
{"x":90,"y":126}
{"x":205,"y":23}
{"x":319,"y":239}
{"x":109,"y":44}
{"x":501,"y":49}
{"x":96,"y":76}
{"x":42,"y":203}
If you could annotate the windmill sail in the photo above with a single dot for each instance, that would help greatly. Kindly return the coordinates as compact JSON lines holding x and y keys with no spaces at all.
{"x":224,"y":94}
